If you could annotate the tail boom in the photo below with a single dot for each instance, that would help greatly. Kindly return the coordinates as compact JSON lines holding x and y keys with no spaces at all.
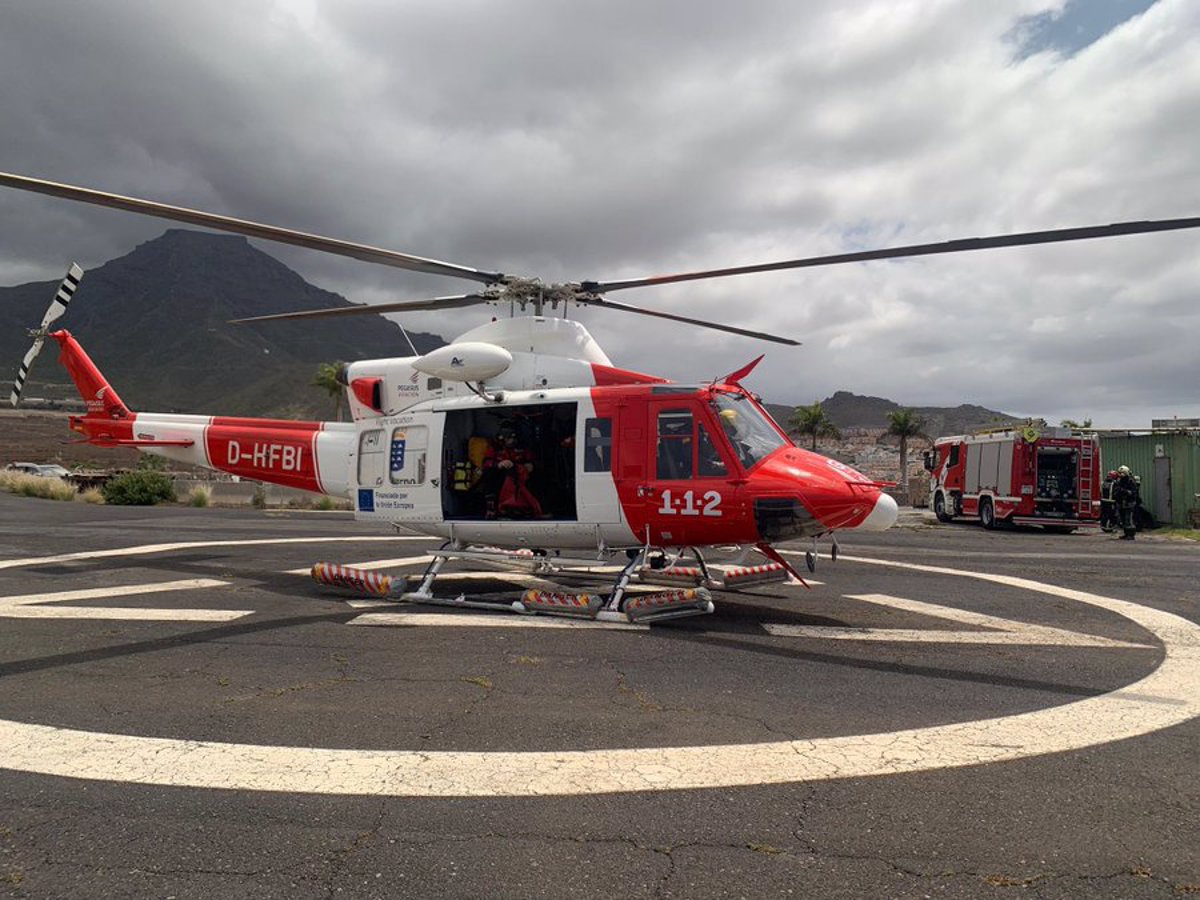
{"x":312,"y":456}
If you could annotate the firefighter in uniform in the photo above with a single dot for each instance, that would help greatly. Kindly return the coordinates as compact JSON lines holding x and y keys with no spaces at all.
{"x":1109,"y":520}
{"x":1125,"y":493}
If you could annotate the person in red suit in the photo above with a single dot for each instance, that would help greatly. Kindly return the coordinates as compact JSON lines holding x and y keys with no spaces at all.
{"x":506,"y":470}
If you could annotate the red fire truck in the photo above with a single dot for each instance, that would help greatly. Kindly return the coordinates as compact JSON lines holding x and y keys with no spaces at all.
{"x":1048,"y":477}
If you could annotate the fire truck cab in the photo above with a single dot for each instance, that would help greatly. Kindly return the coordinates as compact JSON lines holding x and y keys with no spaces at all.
{"x":1048,"y":477}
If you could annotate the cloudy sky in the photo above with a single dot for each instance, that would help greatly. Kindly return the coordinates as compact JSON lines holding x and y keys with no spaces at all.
{"x":599,"y":140}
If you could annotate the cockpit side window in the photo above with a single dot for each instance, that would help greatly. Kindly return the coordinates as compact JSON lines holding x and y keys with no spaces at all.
{"x":709,"y":462}
{"x":673,"y":453}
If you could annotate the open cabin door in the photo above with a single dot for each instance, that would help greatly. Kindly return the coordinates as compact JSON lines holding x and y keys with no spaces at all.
{"x":396,"y":475}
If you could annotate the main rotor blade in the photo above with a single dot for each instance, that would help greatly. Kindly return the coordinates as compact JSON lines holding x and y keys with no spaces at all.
{"x":625,"y":307}
{"x":369,"y":310}
{"x":958,"y":246}
{"x":249,"y":229}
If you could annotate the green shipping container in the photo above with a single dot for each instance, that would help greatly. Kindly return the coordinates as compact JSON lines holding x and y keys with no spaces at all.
{"x":1168,"y":463}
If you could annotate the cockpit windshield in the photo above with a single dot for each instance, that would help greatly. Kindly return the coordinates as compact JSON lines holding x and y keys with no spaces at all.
{"x":751,"y":434}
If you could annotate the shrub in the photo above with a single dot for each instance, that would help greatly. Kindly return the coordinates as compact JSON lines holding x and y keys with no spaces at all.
{"x":142,"y":488}
{"x":34,"y":486}
{"x":91,"y":495}
{"x":325,"y":504}
{"x":152,"y":462}
{"x":200,"y":496}
{"x":259,"y":500}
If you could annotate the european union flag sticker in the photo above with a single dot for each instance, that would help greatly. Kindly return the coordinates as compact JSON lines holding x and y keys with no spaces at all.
{"x":366,"y":500}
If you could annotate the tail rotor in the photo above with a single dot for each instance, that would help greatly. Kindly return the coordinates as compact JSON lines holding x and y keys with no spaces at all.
{"x":57,"y":307}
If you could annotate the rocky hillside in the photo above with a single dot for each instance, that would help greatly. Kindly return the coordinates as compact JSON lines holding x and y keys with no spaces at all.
{"x":156,"y":322}
{"x":855,"y":412}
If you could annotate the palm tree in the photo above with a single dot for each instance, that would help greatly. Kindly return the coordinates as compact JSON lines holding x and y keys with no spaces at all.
{"x":813,"y":421}
{"x":905,"y":424}
{"x":327,"y":379}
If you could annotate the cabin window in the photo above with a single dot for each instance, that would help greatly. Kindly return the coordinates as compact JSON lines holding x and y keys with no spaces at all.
{"x":709,"y":460}
{"x":406,"y":458}
{"x":597,"y":445}
{"x":370,"y":457}
{"x":674,"y":447}
{"x":953,"y":455}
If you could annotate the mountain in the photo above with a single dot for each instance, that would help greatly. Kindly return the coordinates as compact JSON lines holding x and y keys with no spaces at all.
{"x":849,"y":410}
{"x":156,"y":323}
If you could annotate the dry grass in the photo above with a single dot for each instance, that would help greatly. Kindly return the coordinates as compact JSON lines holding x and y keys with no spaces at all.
{"x":200,"y":496}
{"x":33,"y":486}
{"x":1180,"y":534}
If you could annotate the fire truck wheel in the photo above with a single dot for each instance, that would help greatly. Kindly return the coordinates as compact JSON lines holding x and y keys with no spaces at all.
{"x":987,"y":515}
{"x":939,"y":509}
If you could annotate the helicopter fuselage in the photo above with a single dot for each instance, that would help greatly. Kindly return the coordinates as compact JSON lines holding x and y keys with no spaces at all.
{"x":628,"y":460}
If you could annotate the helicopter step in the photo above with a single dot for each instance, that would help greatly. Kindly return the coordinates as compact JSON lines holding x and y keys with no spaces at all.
{"x":734,"y":577}
{"x":691,"y":576}
{"x":674,"y":604}
{"x":728,"y":578}
{"x":360,"y":581}
{"x":558,"y":603}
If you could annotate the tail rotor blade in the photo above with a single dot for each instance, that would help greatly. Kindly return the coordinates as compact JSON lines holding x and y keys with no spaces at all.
{"x":58,"y":306}
{"x":62,"y":298}
{"x":23,"y":372}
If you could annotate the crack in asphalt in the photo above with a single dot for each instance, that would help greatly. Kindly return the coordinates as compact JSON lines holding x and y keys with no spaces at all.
{"x":647,"y":704}
{"x":338,"y":860}
{"x":336,"y":863}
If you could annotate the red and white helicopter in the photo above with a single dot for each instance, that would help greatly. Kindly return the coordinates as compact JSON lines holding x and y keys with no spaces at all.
{"x":520,"y":443}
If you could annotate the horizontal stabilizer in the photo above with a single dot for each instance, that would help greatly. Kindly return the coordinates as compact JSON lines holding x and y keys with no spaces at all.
{"x":134,"y":442}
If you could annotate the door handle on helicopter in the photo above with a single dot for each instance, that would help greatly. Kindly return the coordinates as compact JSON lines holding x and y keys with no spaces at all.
{"x":646,"y":490}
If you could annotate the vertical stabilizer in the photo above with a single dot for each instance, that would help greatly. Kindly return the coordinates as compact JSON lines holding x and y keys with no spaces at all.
{"x":98,"y":395}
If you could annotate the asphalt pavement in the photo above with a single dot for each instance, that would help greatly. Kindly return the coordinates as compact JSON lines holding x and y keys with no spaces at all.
{"x":943,"y":712}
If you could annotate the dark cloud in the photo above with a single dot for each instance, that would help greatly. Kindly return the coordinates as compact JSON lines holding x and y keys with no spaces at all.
{"x":621,"y":139}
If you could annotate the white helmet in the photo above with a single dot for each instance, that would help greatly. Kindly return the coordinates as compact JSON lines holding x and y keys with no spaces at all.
{"x":1123,"y":470}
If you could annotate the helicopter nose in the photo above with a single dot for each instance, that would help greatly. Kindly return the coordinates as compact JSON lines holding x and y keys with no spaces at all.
{"x":882,"y":517}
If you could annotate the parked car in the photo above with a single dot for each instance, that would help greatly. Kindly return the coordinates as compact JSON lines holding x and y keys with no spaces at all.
{"x":47,"y":470}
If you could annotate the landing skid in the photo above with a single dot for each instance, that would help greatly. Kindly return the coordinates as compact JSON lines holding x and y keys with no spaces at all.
{"x":617,"y":606}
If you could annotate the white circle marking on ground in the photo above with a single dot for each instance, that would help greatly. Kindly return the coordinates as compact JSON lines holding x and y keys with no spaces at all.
{"x":1167,"y":696}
